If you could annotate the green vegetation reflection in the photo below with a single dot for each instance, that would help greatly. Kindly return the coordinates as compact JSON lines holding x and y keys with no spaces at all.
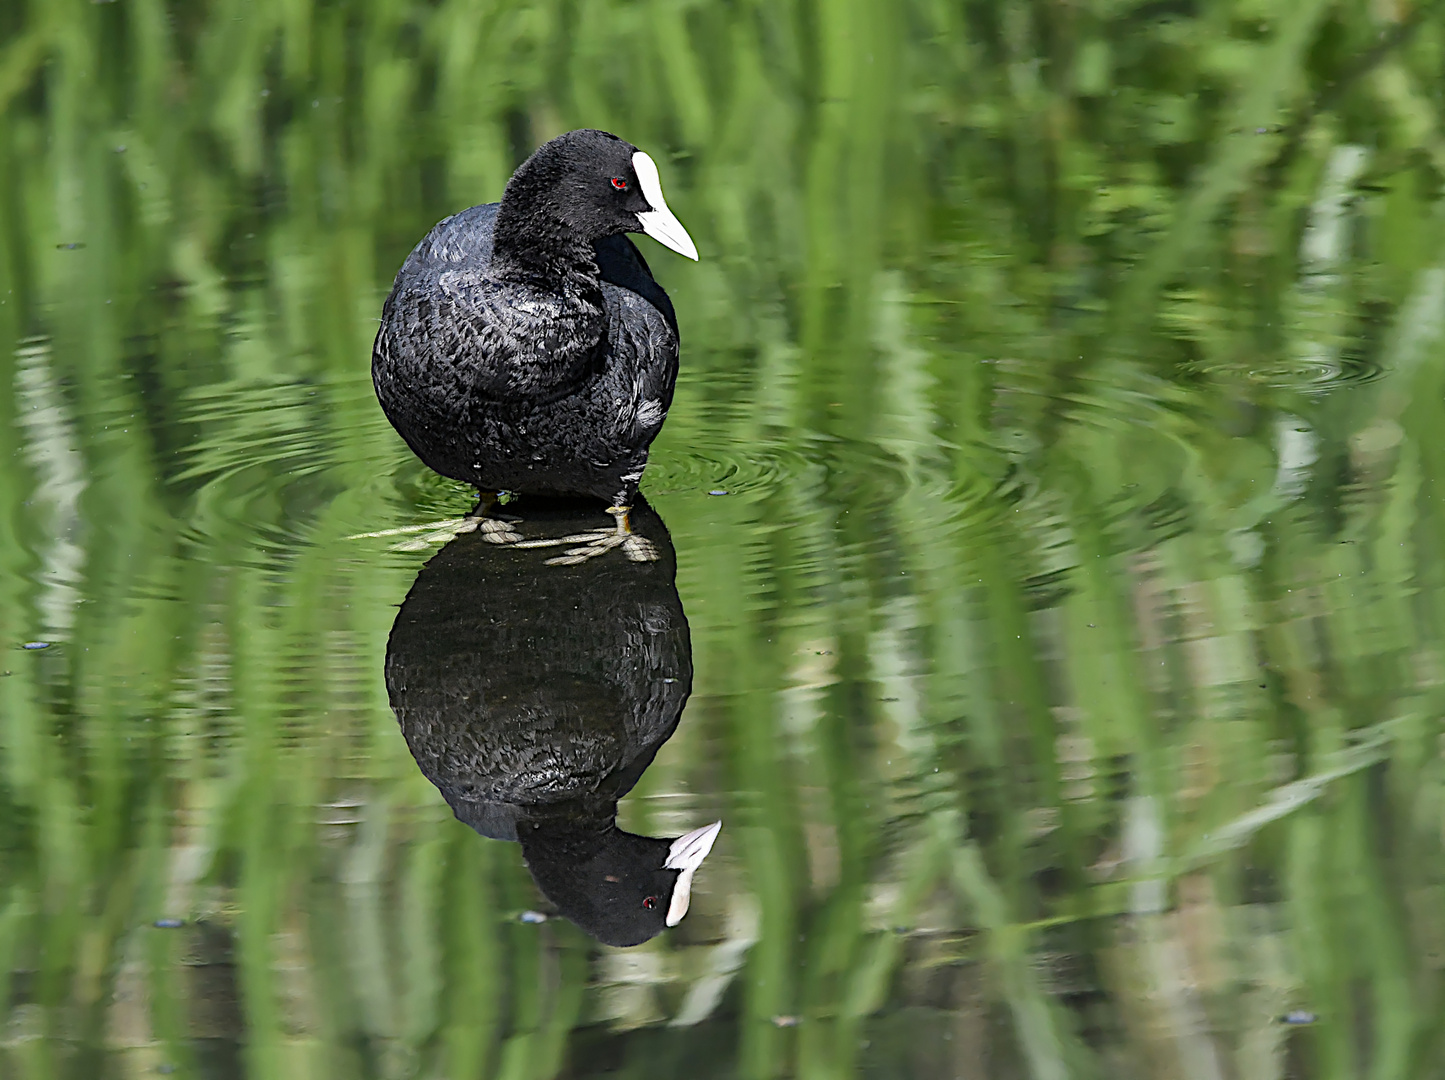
{"x":1068,"y":644}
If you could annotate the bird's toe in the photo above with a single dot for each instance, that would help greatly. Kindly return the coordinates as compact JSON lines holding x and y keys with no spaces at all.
{"x":497,"y":532}
{"x":639,"y":548}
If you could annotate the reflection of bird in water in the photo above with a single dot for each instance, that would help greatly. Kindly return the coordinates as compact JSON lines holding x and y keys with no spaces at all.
{"x":533,"y":696}
{"x":525,"y":345}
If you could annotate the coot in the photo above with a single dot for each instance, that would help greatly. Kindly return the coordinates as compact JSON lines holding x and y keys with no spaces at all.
{"x":533,"y":696}
{"x":525,"y":345}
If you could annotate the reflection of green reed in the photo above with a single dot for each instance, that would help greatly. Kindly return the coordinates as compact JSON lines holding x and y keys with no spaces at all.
{"x":1045,"y":653}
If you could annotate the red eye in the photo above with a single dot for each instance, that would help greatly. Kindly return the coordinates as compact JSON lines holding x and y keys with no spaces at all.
{"x":621,"y":185}
{"x":650,"y":902}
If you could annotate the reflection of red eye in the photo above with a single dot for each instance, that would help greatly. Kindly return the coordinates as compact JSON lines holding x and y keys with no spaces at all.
{"x":650,"y":902}
{"x":619,"y":183}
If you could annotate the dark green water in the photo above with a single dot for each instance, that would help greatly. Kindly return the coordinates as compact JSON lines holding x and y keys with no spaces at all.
{"x":1069,"y":642}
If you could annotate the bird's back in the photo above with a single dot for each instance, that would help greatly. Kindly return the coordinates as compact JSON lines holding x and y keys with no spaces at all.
{"x":460,"y":242}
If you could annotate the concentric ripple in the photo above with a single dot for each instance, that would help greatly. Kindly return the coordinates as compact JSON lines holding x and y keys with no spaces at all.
{"x":1317,"y":376}
{"x":271,"y":463}
{"x":730,"y":470}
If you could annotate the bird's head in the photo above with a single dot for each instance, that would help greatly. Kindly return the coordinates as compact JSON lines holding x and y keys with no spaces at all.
{"x":592,"y":185}
{"x":621,"y":888}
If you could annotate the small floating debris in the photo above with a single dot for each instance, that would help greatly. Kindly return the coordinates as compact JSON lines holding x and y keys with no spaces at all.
{"x":69,"y":247}
{"x":787,"y":1021}
{"x":169,"y":924}
{"x":33,"y":645}
{"x":1298,"y":1017}
{"x":532,"y":917}
{"x":718,"y":491}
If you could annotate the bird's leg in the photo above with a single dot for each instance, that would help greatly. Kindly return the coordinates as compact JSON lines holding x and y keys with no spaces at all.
{"x":636,"y":548}
{"x":595,"y":542}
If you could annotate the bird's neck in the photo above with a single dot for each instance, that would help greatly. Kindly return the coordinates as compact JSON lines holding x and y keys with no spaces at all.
{"x":535,"y":247}
{"x":579,"y":827}
{"x":555,"y":849}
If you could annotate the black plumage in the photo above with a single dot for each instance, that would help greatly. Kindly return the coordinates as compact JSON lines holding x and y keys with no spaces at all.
{"x":525,"y":345}
{"x":533,"y":696}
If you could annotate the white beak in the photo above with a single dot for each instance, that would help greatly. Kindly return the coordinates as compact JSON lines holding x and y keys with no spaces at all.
{"x":686,"y":854}
{"x":659,"y":222}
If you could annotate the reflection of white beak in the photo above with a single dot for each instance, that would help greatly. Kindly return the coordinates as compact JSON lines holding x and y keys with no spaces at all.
{"x":659,"y":222}
{"x":686,"y":854}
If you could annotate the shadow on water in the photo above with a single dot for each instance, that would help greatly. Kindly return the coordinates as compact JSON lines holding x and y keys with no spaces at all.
{"x":533,"y":695}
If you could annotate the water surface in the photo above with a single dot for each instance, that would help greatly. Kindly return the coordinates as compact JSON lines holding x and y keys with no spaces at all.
{"x":1053,"y":479}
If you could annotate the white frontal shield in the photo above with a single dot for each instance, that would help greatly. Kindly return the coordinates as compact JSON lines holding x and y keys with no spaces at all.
{"x":686,"y":854}
{"x":659,"y":222}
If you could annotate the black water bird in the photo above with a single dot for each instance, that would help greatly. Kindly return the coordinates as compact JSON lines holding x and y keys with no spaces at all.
{"x":533,"y":696}
{"x":525,"y":345}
